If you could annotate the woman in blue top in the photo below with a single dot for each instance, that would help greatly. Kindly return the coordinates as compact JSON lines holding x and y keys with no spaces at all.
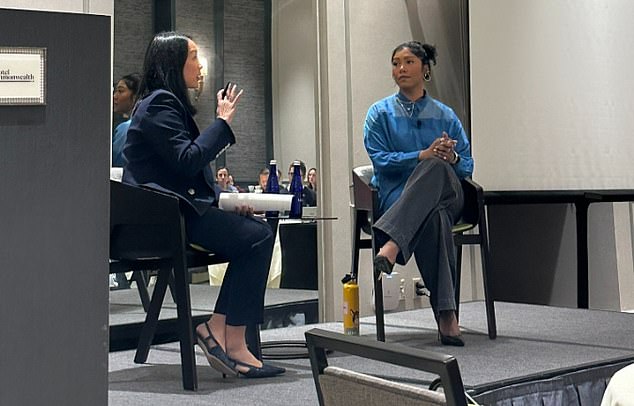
{"x":166,"y":151}
{"x":123,"y":99}
{"x":420,"y":152}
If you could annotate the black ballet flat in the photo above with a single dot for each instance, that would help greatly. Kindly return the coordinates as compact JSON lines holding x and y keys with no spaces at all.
{"x":382,"y":264}
{"x":265,"y":371}
{"x":455,"y":341}
{"x":216,"y":356}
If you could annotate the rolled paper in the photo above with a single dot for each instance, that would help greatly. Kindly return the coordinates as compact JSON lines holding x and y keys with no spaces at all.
{"x":116,"y":173}
{"x":259,"y":201}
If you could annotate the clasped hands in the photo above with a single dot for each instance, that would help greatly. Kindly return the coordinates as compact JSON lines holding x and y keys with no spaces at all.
{"x":442,"y":148}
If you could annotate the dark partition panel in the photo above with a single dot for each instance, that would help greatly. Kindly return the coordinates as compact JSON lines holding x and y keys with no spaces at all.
{"x":54,"y":170}
{"x":299,"y":255}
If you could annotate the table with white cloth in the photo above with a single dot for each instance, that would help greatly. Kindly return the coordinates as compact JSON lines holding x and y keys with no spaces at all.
{"x":294,"y":260}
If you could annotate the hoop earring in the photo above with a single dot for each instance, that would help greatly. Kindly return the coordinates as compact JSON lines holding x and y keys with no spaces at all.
{"x":427,"y":76}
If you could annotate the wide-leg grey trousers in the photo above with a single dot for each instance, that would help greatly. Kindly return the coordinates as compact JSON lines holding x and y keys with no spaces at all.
{"x":420,"y":222}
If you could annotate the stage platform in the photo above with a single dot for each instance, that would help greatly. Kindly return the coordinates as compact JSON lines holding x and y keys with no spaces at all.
{"x":540,"y":351}
{"x":282,"y":307}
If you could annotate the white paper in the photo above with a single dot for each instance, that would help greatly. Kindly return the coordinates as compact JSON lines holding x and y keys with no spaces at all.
{"x":116,"y":173}
{"x":259,"y":201}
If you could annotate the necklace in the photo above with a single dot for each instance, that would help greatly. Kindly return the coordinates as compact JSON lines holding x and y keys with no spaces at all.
{"x":408,"y":107}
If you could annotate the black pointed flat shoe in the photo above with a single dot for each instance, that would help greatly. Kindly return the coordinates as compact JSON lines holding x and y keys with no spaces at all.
{"x":382,"y":264}
{"x":265,"y":371}
{"x":217,"y":357}
{"x":455,"y":341}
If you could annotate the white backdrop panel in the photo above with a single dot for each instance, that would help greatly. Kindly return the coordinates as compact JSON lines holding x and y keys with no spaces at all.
{"x":552,"y":94}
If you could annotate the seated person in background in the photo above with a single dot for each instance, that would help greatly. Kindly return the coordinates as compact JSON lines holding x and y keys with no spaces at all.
{"x":233,"y":185}
{"x":223,"y":180}
{"x":419,"y":151}
{"x":263,"y":177}
{"x":166,"y":151}
{"x":311,"y":179}
{"x":310,"y":198}
{"x":123,"y":99}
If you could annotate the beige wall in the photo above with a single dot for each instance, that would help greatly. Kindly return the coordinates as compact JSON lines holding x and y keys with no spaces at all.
{"x":294,"y":77}
{"x":551,"y":105}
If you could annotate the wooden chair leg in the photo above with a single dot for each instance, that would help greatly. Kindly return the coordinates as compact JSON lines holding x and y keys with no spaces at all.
{"x":151,"y":318}
{"x":356,"y":242}
{"x":185,"y":329}
{"x":141,"y":285}
{"x":458,"y":279}
{"x":486,"y":261}
{"x":378,"y":308}
{"x":488,"y":298}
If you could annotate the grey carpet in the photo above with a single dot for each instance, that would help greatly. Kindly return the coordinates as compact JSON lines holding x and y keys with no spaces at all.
{"x":531,"y":340}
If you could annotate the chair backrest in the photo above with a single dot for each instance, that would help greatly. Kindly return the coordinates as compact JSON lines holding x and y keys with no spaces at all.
{"x":365,"y":173}
{"x":342,"y":387}
{"x":337,"y":386}
{"x":365,"y":195}
{"x":143,"y":222}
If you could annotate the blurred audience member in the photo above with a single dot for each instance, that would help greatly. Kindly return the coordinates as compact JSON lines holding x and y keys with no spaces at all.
{"x":311,"y":179}
{"x":223,"y":179}
{"x":310,"y":198}
{"x":233,"y":184}
{"x":123,"y":99}
{"x":263,"y":177}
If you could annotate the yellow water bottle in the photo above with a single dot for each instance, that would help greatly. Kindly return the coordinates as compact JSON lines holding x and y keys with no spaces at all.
{"x":351,"y":308}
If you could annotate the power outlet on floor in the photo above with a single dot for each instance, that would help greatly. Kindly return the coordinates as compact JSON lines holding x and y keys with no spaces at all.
{"x":391,"y":291}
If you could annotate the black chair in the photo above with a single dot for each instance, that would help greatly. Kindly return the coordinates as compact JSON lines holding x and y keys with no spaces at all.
{"x":147,"y":231}
{"x":366,"y":208}
{"x":341,"y":386}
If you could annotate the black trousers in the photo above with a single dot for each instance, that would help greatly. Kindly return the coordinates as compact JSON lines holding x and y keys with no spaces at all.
{"x":247,"y":242}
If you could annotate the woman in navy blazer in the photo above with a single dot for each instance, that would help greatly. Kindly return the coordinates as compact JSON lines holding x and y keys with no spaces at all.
{"x":166,"y":151}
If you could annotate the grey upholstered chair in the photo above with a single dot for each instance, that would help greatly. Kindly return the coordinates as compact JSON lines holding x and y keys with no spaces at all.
{"x":343,"y":387}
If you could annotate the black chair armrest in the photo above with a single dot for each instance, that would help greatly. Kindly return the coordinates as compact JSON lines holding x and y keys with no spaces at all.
{"x":445,"y":366}
{"x":473,"y":201}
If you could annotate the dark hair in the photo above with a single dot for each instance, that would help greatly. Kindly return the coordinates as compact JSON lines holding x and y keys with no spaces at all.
{"x":425,"y":52}
{"x":302,"y":167}
{"x":165,"y":58}
{"x":132,"y":82}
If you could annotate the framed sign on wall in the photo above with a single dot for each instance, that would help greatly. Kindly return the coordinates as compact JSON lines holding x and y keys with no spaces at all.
{"x":22,"y":76}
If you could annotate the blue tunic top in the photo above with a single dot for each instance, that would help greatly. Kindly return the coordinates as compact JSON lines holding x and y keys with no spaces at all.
{"x":118,"y":141}
{"x":397,"y":129}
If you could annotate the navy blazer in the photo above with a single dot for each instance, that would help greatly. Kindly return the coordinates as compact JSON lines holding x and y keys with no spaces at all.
{"x":166,"y":151}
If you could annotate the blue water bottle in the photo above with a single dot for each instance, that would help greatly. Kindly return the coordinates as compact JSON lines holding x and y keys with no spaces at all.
{"x":296,"y":190}
{"x":272,"y":185}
